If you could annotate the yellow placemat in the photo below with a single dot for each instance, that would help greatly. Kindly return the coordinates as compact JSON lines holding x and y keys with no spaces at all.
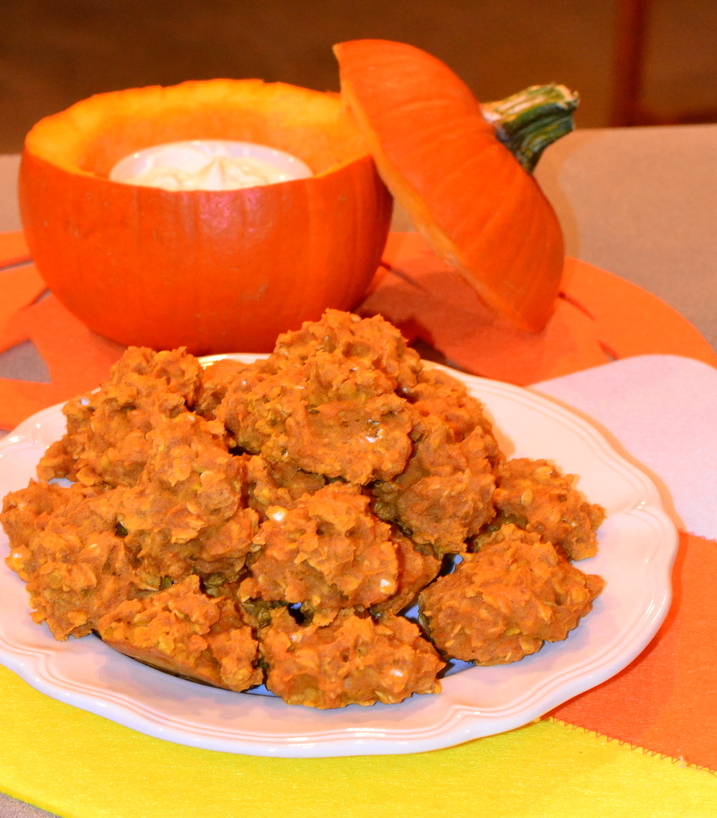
{"x":79,"y":765}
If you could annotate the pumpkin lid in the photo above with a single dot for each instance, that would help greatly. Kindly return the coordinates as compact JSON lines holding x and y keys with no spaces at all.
{"x":480,"y":211}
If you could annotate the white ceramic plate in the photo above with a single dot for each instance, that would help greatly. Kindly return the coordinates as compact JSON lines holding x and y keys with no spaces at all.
{"x":637,"y":546}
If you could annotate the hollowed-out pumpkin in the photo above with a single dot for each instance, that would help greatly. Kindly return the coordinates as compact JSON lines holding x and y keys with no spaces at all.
{"x":478,"y":208}
{"x":213,"y":271}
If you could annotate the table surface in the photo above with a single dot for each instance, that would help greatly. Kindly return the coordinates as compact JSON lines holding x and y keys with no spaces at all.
{"x":639,"y":202}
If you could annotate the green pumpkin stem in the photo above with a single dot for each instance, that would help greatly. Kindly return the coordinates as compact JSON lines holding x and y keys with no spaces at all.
{"x":527,"y":122}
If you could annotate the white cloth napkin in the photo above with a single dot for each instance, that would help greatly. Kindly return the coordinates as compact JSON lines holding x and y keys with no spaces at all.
{"x":661,"y":411}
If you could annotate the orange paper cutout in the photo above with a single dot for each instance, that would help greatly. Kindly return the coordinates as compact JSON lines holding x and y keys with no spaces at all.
{"x":77,"y":359}
{"x":598,"y":318}
{"x":13,"y":249}
{"x":441,"y":308}
{"x":665,"y":700}
{"x":19,"y":287}
{"x":630,"y":320}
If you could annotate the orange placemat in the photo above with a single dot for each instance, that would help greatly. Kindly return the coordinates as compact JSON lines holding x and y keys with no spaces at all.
{"x":665,"y":700}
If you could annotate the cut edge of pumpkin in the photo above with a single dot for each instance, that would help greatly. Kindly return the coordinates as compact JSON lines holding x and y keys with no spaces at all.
{"x":89,"y":137}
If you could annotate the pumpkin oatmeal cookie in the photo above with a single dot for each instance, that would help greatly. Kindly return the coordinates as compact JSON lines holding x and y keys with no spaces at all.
{"x":327,"y":553}
{"x":503,"y":602}
{"x":352,"y":660}
{"x":538,"y":497}
{"x":106,"y":439}
{"x":334,"y":412}
{"x":183,"y":631}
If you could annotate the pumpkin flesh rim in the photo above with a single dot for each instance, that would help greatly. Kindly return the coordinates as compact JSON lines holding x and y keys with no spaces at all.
{"x":89,"y":137}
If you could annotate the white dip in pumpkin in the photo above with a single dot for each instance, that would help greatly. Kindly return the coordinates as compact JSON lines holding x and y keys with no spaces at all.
{"x":208,"y":164}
